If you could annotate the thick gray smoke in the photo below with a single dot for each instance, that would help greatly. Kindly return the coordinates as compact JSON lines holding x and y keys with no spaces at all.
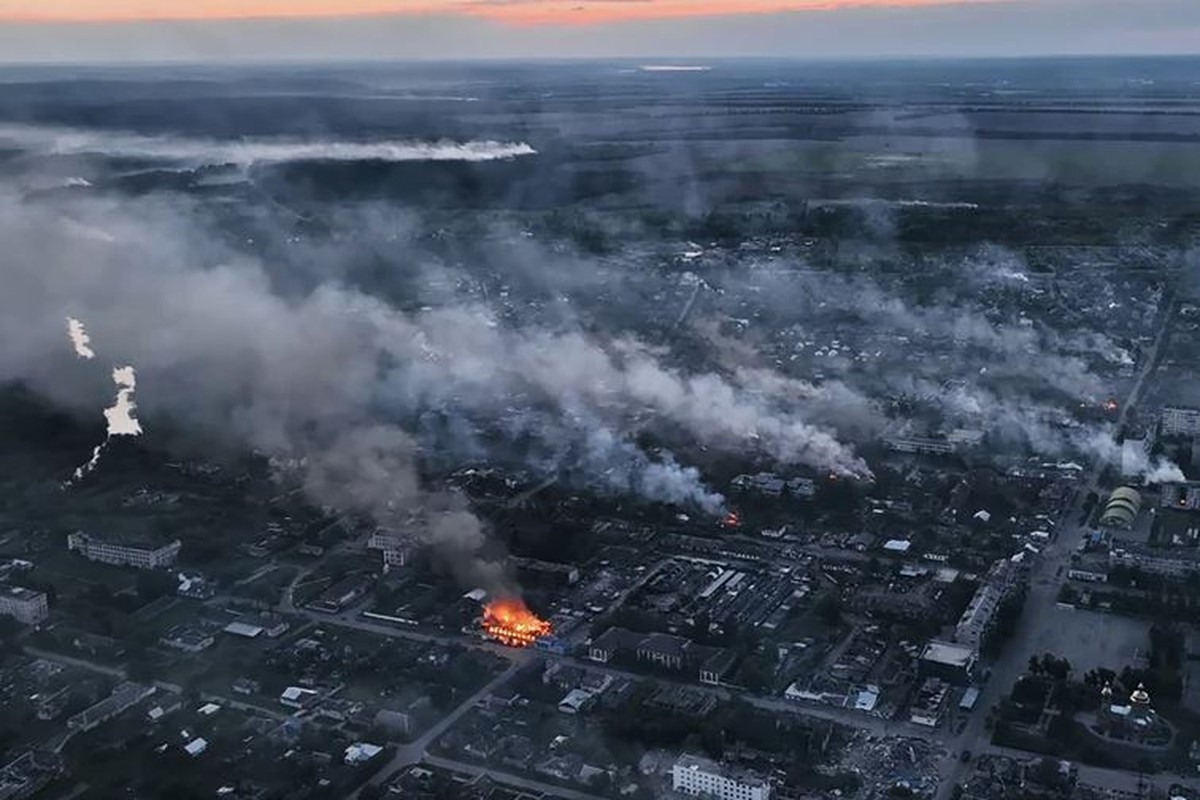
{"x":327,"y":379}
{"x":1017,"y":380}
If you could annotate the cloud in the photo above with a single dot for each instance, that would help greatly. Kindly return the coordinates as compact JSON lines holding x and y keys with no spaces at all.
{"x":961,"y":29}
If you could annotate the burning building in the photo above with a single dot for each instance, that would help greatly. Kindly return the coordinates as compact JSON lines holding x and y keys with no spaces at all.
{"x":510,"y":622}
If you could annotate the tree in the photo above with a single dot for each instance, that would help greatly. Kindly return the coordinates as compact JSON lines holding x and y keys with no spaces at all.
{"x":829,"y":609}
{"x":138,"y":666}
{"x":1046,"y":773}
{"x":153,"y":584}
{"x":371,"y":791}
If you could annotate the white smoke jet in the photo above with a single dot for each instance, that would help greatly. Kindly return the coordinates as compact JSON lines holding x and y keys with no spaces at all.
{"x":75,"y":141}
{"x":79,"y":338}
{"x":120,"y":416}
{"x":675,"y":68}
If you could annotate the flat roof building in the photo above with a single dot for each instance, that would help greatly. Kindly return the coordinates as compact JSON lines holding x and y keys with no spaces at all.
{"x":124,"y":697}
{"x":1180,"y":421}
{"x":396,"y":547}
{"x":24,"y":605}
{"x":124,"y":553}
{"x":703,"y":778}
{"x":949,"y":661}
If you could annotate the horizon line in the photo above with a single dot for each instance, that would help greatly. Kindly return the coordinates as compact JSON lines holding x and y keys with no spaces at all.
{"x":522,"y":13}
{"x":648,"y":59}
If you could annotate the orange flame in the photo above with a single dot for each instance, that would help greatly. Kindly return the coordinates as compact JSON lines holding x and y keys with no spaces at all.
{"x":510,"y":622}
{"x":731,"y":520}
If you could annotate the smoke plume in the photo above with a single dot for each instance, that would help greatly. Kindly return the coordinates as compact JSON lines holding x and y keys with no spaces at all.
{"x":332,"y":379}
{"x":76,"y":141}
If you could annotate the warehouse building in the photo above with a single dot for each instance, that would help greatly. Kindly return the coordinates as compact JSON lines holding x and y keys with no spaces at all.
{"x":1122,"y":508}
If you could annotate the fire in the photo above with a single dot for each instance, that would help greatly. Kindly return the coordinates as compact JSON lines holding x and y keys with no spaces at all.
{"x":510,"y":622}
{"x":731,"y":520}
{"x":1111,"y":405}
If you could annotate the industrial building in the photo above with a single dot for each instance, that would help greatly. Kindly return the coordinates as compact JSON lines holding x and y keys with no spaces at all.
{"x":125,"y":553}
{"x":24,"y":605}
{"x":124,"y":697}
{"x":1180,"y":495}
{"x":664,"y":651}
{"x":701,"y":777}
{"x":546,"y":574}
{"x":1122,"y":508}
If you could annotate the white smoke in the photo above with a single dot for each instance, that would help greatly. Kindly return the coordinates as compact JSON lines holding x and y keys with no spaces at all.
{"x":79,"y":338}
{"x":1133,"y":462}
{"x":623,"y":467}
{"x":120,"y":416}
{"x":74,"y":141}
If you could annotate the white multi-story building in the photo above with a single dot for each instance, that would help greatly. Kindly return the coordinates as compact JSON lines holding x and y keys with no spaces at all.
{"x":24,"y":605}
{"x":1180,"y":421}
{"x":395,"y":547}
{"x":701,"y":777}
{"x":123,"y":554}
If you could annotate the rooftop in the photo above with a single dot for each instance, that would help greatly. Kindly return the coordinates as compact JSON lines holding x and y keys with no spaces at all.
{"x":20,"y":593}
{"x":698,"y":764}
{"x":954,"y":655}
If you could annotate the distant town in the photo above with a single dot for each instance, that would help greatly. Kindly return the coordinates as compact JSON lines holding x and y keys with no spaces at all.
{"x":878,"y":493}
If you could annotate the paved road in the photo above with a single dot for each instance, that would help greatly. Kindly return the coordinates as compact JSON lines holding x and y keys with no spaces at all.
{"x":848,"y":717}
{"x":855,"y":719}
{"x":82,"y":663}
{"x":510,"y":779}
{"x":350,"y":619}
{"x":1043,"y":590}
{"x":1121,"y":780}
{"x":1038,"y":619}
{"x":414,"y":752}
{"x":241,"y":705}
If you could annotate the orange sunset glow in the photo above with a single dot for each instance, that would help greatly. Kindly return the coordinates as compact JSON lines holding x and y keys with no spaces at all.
{"x":522,"y":12}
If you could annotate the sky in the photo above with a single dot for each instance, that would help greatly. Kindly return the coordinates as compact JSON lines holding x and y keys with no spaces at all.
{"x":223,"y":30}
